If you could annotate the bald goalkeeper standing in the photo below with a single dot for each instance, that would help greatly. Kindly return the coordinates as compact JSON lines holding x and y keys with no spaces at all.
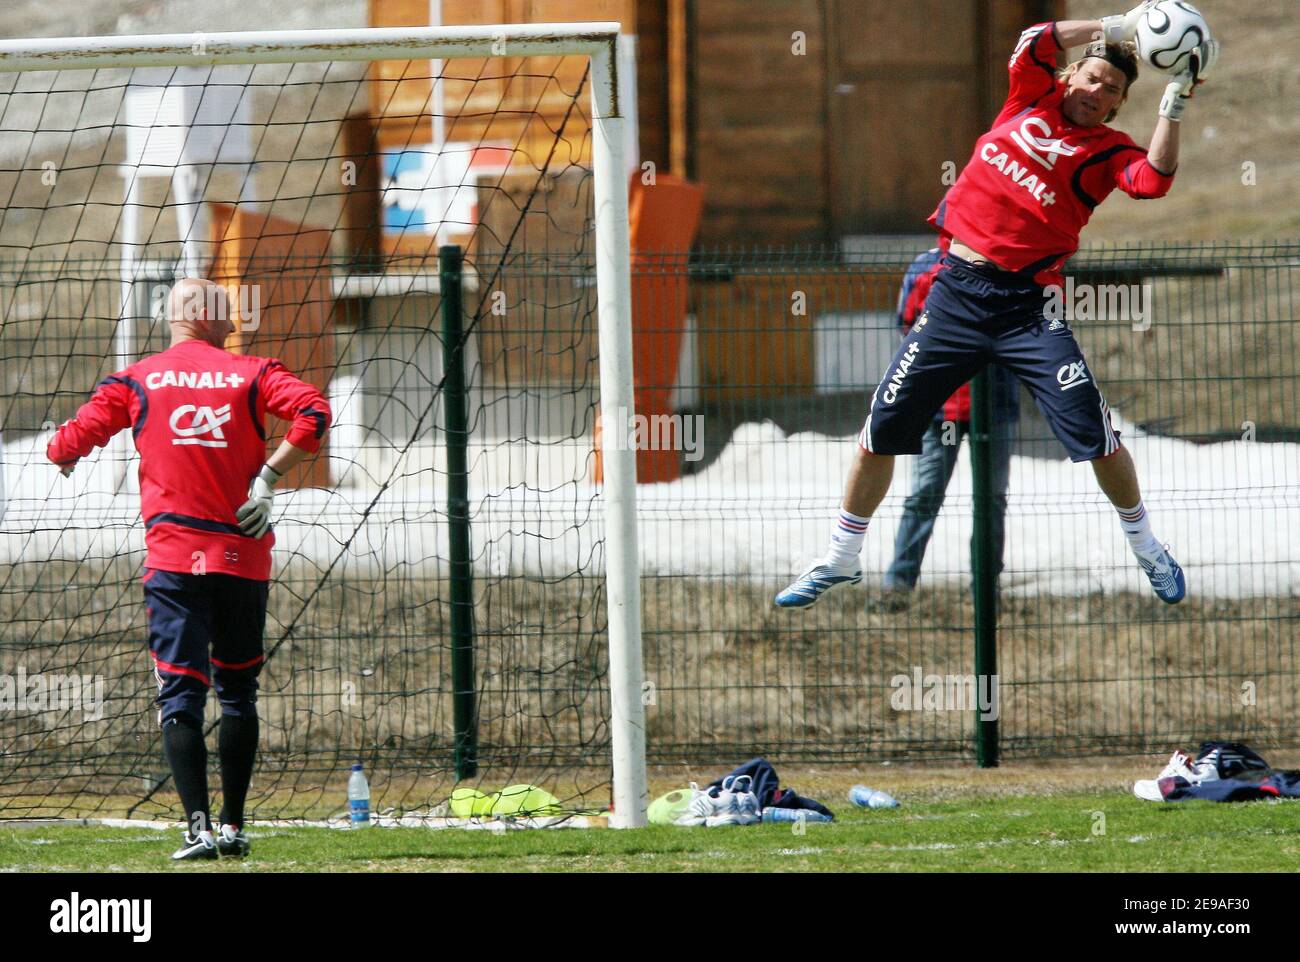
{"x":197,"y":415}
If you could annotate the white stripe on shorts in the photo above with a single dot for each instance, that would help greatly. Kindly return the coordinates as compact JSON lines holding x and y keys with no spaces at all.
{"x":1112,"y":442}
{"x":864,"y":439}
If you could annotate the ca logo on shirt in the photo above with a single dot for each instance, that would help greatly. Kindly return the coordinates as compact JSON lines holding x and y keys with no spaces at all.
{"x":202,"y":421}
{"x":1035,"y":138}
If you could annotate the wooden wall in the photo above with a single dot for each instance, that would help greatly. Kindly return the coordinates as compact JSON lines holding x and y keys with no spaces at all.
{"x":652,"y":82}
{"x":903,"y":100}
{"x":758,"y":137}
{"x":805,"y":120}
{"x":849,"y":137}
{"x":752,"y":344}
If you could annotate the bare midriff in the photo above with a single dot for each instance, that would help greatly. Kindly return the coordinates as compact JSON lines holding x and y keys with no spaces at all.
{"x":968,"y":253}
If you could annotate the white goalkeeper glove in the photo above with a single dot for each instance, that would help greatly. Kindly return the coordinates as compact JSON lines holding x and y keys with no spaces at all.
{"x":1123,"y":26}
{"x":1203,"y":59}
{"x":1179,"y":90}
{"x":254,"y":515}
{"x":66,"y":469}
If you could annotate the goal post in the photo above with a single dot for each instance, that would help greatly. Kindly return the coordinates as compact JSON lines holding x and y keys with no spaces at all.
{"x":599,"y":43}
{"x":614,"y":294}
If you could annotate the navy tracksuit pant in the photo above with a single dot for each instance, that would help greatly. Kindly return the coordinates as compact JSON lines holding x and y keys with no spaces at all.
{"x":974,"y":315}
{"x":205,"y":631}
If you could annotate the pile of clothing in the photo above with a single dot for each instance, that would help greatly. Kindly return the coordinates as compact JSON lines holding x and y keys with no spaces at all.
{"x":747,"y":795}
{"x":1220,"y":772}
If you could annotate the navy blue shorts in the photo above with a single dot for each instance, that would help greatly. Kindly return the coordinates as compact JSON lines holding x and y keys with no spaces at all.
{"x":975,"y":315}
{"x":205,"y":631}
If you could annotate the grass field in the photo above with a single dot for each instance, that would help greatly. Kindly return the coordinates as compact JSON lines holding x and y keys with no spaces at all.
{"x":1025,"y":818}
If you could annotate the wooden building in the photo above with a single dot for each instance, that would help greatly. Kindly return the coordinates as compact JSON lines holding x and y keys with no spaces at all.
{"x":812,"y":120}
{"x":804,"y":120}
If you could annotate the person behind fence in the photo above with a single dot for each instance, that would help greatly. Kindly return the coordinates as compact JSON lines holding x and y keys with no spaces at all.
{"x":1012,"y":220}
{"x":197,"y":414}
{"x":940,"y":445}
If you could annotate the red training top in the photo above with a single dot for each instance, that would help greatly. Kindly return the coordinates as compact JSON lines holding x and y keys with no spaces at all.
{"x":1035,"y":177}
{"x":197,"y":414}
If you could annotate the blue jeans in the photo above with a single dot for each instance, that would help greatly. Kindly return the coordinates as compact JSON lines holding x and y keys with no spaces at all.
{"x":933,"y":472}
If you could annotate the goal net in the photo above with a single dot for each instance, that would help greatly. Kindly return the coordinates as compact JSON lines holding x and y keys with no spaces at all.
{"x":316,"y":175}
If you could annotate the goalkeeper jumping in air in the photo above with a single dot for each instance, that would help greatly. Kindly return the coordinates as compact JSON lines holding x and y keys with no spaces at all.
{"x":1013,"y":218}
{"x":197,"y":414}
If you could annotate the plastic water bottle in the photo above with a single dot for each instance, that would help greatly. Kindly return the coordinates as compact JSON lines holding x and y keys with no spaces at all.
{"x":774,"y":814}
{"x":865,"y":797}
{"x":359,"y":798}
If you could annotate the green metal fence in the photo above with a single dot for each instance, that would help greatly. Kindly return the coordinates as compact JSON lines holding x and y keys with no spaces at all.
{"x":779,"y":352}
{"x":1201,"y":369}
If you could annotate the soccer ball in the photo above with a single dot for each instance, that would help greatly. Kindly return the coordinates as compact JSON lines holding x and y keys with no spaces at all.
{"x":1168,"y":33}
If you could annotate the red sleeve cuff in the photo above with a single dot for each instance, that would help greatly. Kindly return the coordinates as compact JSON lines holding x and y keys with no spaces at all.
{"x":309,"y":427}
{"x":55,"y":453}
{"x":1143,"y":181}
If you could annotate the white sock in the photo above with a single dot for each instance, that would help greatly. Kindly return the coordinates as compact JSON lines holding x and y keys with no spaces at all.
{"x":846,"y":541}
{"x":1137,"y":528}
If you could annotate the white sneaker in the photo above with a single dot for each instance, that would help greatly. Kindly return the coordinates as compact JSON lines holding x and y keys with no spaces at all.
{"x":1178,"y":767}
{"x":1148,"y":789}
{"x":724,"y":803}
{"x":702,"y":805}
{"x":735,"y":804}
{"x":727,"y":807}
{"x":726,"y":818}
{"x":750,"y":811}
{"x":746,"y":801}
{"x":232,"y":842}
{"x":1207,"y":768}
{"x":196,"y":847}
{"x":746,"y":812}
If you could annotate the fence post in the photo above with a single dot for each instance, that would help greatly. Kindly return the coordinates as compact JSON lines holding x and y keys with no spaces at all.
{"x":984,"y":565}
{"x":456,"y":427}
